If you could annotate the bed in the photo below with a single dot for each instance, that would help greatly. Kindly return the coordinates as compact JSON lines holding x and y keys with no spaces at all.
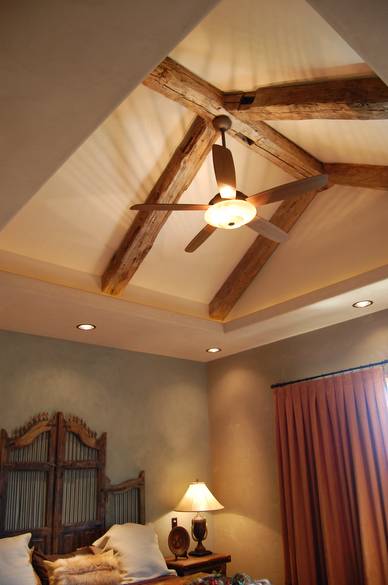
{"x":53,"y":484}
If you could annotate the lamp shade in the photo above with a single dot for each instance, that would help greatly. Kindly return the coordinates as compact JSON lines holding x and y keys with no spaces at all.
{"x":198,"y":498}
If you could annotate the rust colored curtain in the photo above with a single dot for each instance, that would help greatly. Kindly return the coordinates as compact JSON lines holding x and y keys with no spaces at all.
{"x":332,"y":436}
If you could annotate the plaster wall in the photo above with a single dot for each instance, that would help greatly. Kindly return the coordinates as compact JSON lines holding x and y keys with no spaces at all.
{"x":154,"y":410}
{"x":243,"y":450}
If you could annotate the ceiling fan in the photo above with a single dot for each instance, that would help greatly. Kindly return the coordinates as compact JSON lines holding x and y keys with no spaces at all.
{"x":231,"y":209}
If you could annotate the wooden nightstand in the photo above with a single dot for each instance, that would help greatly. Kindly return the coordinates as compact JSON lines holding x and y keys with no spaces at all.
{"x":207,"y":564}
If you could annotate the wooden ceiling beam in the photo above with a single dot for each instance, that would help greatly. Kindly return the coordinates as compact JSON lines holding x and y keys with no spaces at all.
{"x":175,"y":179}
{"x":181,"y":85}
{"x":365,"y":176}
{"x":336,"y":99}
{"x":257,"y":255}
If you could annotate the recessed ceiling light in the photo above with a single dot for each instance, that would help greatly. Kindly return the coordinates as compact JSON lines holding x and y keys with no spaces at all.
{"x":86,"y":326}
{"x":362,"y":304}
{"x":213,"y":350}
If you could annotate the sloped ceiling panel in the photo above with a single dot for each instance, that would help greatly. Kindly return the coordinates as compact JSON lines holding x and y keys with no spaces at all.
{"x":64,"y":67}
{"x":363,"y":25}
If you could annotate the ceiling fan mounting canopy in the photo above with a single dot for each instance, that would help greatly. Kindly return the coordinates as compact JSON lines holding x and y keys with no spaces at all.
{"x":222,"y":123}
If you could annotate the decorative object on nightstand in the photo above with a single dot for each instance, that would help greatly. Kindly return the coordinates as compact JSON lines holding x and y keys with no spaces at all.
{"x":212,"y":563}
{"x":198,"y":498}
{"x":178,"y":540}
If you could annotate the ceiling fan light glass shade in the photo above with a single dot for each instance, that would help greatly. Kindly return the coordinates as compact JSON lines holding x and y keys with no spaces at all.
{"x":198,"y":498}
{"x":230,"y":214}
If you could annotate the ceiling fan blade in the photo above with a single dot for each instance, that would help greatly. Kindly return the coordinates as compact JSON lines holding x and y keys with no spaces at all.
{"x":200,"y":238}
{"x":224,"y":170}
{"x":287,"y":190}
{"x":268,"y":230}
{"x":169,"y":207}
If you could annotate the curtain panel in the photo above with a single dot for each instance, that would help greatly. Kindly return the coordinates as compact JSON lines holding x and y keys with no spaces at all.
{"x":332,"y":439}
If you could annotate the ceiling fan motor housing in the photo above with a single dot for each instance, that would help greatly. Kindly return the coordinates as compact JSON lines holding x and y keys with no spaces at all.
{"x":217,"y":198}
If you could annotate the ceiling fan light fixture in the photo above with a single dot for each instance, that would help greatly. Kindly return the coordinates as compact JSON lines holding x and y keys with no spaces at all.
{"x":230,"y":214}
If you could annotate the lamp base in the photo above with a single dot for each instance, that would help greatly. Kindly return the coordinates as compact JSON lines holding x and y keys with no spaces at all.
{"x":200,"y":553}
{"x":199,"y":533}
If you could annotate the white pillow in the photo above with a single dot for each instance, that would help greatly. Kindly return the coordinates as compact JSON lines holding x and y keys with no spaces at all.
{"x":139,"y":551}
{"x":15,"y":561}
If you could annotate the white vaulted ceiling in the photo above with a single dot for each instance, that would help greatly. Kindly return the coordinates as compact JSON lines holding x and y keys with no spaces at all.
{"x":67,"y":232}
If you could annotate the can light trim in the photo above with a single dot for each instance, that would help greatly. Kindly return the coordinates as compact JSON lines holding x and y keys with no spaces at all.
{"x":362,"y":304}
{"x":213,"y":349}
{"x":86,"y":326}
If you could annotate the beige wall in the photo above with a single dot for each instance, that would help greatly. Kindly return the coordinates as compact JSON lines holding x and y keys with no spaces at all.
{"x":155,"y":412}
{"x":242,"y":432}
{"x":154,"y":409}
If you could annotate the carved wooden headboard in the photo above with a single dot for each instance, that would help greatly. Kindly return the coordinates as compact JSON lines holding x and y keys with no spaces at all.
{"x":53,"y":484}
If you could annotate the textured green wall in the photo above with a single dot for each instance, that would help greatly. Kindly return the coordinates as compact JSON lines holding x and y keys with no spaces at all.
{"x":153,"y":408}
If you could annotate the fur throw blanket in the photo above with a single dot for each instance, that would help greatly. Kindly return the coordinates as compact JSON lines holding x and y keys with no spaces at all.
{"x":91,"y":569}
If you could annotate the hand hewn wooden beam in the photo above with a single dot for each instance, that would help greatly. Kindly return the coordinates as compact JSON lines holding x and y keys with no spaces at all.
{"x":254,"y":259}
{"x":366,"y":176}
{"x":336,"y":99}
{"x":175,"y":179}
{"x":181,"y":85}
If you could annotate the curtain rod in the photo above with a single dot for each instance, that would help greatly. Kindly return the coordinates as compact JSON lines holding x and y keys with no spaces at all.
{"x":280,"y":384}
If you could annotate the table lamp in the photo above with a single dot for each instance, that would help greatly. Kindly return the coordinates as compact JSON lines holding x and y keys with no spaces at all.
{"x":198,"y":498}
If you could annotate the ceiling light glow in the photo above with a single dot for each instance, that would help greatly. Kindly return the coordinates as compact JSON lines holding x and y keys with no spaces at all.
{"x":86,"y":326}
{"x":213,"y":350}
{"x":362,"y":304}
{"x":227,"y":192}
{"x":230,"y":213}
